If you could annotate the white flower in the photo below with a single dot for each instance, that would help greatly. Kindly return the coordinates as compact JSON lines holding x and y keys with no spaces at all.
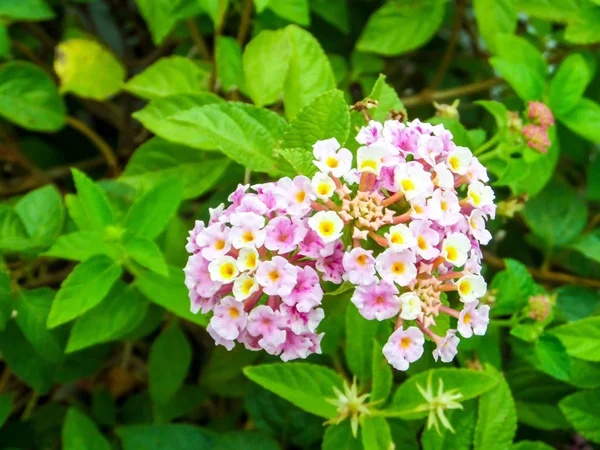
{"x":400,"y":237}
{"x":323,"y":185}
{"x":327,"y":224}
{"x":477,"y":226}
{"x":331,"y":160}
{"x":223,"y":269}
{"x":471,"y":287}
{"x":370,"y":159}
{"x":455,"y":249}
{"x":479,"y":195}
{"x":472,"y":320}
{"x":243,"y":287}
{"x":443,"y":177}
{"x":413,"y":180}
{"x":411,"y":306}
{"x":459,"y":160}
{"x":247,"y":230}
{"x":247,"y":260}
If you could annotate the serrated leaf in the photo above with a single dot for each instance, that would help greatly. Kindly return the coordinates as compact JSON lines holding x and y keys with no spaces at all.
{"x":157,"y":160}
{"x":398,"y":27}
{"x":552,"y":357}
{"x":497,"y":417}
{"x":160,"y":437}
{"x":387,"y":99}
{"x":265,"y":64}
{"x":29,"y":98}
{"x":83,"y":289}
{"x":568,"y":84}
{"x":169,"y":76}
{"x":581,"y":338}
{"x":340,"y":436}
{"x":576,"y":302}
{"x":309,"y":73}
{"x":168,"y":364}
{"x":375,"y":433}
{"x":325,"y":117}
{"x":515,"y":285}
{"x":81,"y":245}
{"x":498,"y":110}
{"x":584,"y":119}
{"x":383,"y":377}
{"x":469,"y":383}
{"x":495,"y":17}
{"x":543,"y":416}
{"x":13,"y":236}
{"x":531,"y":445}
{"x":228,"y":60}
{"x":81,"y":433}
{"x":588,"y":245}
{"x":581,"y":409}
{"x":92,"y":201}
{"x":146,"y":253}
{"x":333,"y":11}
{"x":293,"y":10}
{"x":463,"y":421}
{"x":360,"y":333}
{"x":87,"y":69}
{"x":300,"y":159}
{"x":305,"y":385}
{"x":33,"y":10}
{"x":157,"y":117}
{"x":245,"y":133}
{"x":151,"y":212}
{"x":521,"y":65}
{"x":42,"y":213}
{"x":118,"y":313}
{"x":161,"y":16}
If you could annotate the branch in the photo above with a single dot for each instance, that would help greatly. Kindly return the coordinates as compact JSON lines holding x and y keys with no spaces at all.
{"x":453,"y":41}
{"x":100,"y":143}
{"x":245,"y":23}
{"x":547,"y":276}
{"x":427,"y":96}
{"x":198,"y":39}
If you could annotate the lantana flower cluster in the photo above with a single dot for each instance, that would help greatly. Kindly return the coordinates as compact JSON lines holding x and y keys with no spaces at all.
{"x":539,"y":119}
{"x":400,"y":222}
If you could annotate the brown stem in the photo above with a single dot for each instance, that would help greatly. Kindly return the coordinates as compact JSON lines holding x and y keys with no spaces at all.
{"x":451,"y":312}
{"x":100,"y":143}
{"x":245,"y":23}
{"x":452,"y":43}
{"x":426,"y":96}
{"x":392,"y":199}
{"x":379,"y":239}
{"x":198,"y":39}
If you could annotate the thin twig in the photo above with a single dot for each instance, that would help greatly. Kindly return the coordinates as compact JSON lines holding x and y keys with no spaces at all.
{"x":100,"y":143}
{"x":198,"y":39}
{"x":449,"y":54}
{"x":427,"y":96}
{"x":548,"y":276}
{"x":245,"y":23}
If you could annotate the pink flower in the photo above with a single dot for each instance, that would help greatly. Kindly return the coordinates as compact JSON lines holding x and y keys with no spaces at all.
{"x":191,"y":245}
{"x":331,"y":160}
{"x":198,"y":303}
{"x":301,"y":322}
{"x":251,"y":203}
{"x":397,"y":266}
{"x":537,"y":137}
{"x":330,"y":266}
{"x":312,"y":245}
{"x":229,"y":318}
{"x":447,"y":347}
{"x":370,"y":134}
{"x":377,"y":301}
{"x":295,"y":347}
{"x":473,"y":320}
{"x":236,"y":196}
{"x":404,"y":347}
{"x":429,"y":148}
{"x":294,"y":196}
{"x":247,"y":230}
{"x":267,"y":324}
{"x":444,"y":208}
{"x":277,"y":277}
{"x":540,"y":114}
{"x":477,"y":227}
{"x":307,"y":293}
{"x":214,"y":241}
{"x":359,"y":266}
{"x":427,"y":239}
{"x":227,"y":343}
{"x":197,"y":277}
{"x":284,"y":234}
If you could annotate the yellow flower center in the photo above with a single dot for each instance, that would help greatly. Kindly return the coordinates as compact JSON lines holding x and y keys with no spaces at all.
{"x":369,"y":164}
{"x":467,"y":318}
{"x":405,"y":342}
{"x":248,"y":236}
{"x":444,"y":206}
{"x":220,"y":244}
{"x":300,"y":196}
{"x":227,"y":270}
{"x":323,"y":189}
{"x":234,"y":313}
{"x":475,"y":197}
{"x":274,"y":275}
{"x":379,"y":300}
{"x":247,"y":285}
{"x":251,"y":261}
{"x":407,"y":185}
{"x":398,"y":268}
{"x":397,"y":238}
{"x":362,"y":259}
{"x":332,"y":162}
{"x":422,"y":243}
{"x":452,"y":253}
{"x":465,"y":287}
{"x":326,"y":228}
{"x":453,"y":161}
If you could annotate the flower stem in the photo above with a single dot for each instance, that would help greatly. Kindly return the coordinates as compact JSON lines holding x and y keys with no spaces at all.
{"x":489,"y":144}
{"x":100,"y":144}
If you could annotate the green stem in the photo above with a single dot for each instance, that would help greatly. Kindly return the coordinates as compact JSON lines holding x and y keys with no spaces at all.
{"x":481,"y":149}
{"x":489,"y":155}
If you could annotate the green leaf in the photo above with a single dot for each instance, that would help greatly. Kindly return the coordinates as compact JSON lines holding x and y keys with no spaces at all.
{"x":588,"y":245}
{"x":469,"y":383}
{"x":305,"y":385}
{"x":568,"y":84}
{"x":119,"y":312}
{"x":334,"y":12}
{"x":158,"y":160}
{"x":581,"y":409}
{"x":557,"y":10}
{"x":146,"y":253}
{"x":83,"y":289}
{"x":300,"y":159}
{"x":576,"y":302}
{"x":150,"y":213}
{"x":552,"y":357}
{"x":170,"y":293}
{"x":168,"y":364}
{"x":557,"y":215}
{"x":495,"y":17}
{"x":248,"y":440}
{"x":265,"y":63}
{"x":387,"y":99}
{"x":88,"y":70}
{"x":161,"y":437}
{"x":498,"y":110}
{"x":497,"y":418}
{"x":531,"y":445}
{"x":5,"y":408}
{"x":584,"y":30}
{"x":360,"y":333}
{"x":245,"y":133}
{"x":459,"y":132}
{"x":584,"y":119}
{"x":228,"y":59}
{"x":25,"y":10}
{"x":216,"y":9}
{"x":400,"y":26}
{"x":80,"y":433}
{"x":187,"y":399}
{"x":383,"y":377}
{"x":375,"y":433}
{"x":6,"y":298}
{"x":293,"y":10}
{"x":515,"y":285}
{"x":309,"y":73}
{"x":521,"y":65}
{"x":157,"y":117}
{"x":160,"y":16}
{"x":32,"y":313}
{"x":13,"y":236}
{"x":93,"y":201}
{"x":29,"y":98}
{"x":340,"y":437}
{"x":581,"y":338}
{"x":463,"y":421}
{"x":42,"y":213}
{"x":325,"y":117}
{"x":169,"y":76}
{"x":541,"y":415}
{"x":593,"y":182}
{"x":103,"y":407}
{"x":81,"y":245}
